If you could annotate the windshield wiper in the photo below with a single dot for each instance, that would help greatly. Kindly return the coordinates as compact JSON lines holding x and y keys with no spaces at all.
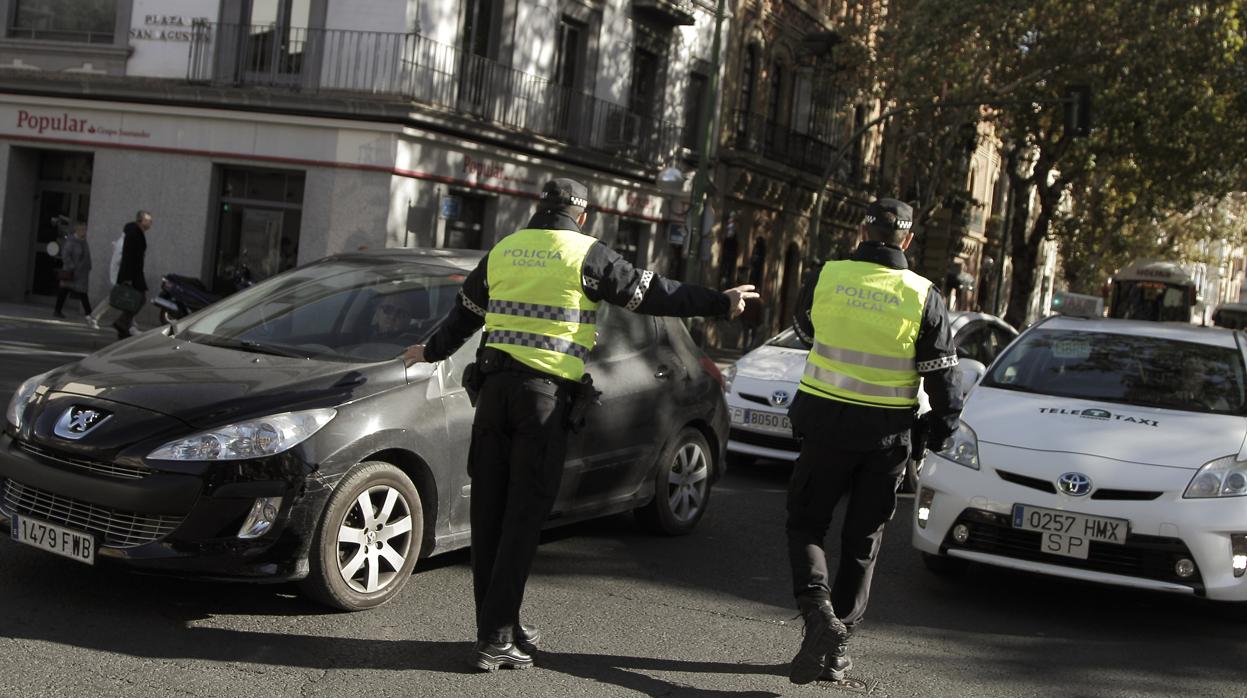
{"x":256,"y":348}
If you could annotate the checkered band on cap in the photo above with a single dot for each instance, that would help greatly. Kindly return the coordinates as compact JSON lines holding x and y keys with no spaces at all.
{"x":565,"y":192}
{"x":899,"y":225}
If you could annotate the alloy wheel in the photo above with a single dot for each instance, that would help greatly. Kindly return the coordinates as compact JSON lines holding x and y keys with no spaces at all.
{"x":373,"y":539}
{"x":686,"y":487}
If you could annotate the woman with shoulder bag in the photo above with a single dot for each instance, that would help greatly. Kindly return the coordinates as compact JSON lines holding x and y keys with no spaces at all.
{"x":75,"y":272}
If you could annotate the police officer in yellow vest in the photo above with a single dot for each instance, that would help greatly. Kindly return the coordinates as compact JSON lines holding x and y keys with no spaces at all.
{"x":537,"y":293}
{"x":877,"y":332}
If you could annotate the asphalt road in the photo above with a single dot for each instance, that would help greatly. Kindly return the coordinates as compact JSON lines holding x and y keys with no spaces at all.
{"x":623,"y":613}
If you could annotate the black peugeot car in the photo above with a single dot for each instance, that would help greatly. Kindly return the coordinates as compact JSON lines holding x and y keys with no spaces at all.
{"x":276,"y":435}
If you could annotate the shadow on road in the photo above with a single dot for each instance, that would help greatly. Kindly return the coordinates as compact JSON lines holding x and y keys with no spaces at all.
{"x":625,"y":672}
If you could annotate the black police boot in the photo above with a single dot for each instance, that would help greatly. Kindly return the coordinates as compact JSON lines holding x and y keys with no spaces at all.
{"x":527,"y":637}
{"x":493,"y":656}
{"x":823,"y":633}
{"x":838,"y":662}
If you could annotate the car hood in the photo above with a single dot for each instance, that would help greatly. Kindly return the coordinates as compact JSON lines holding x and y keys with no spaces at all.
{"x":1145,"y":435}
{"x":207,"y":386}
{"x":773,"y":364}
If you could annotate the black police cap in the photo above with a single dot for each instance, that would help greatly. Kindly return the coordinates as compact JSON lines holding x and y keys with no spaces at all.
{"x":564,"y":193}
{"x":890,"y":214}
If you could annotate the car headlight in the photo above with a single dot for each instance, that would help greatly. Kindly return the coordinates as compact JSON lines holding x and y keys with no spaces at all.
{"x":1223,"y":477}
{"x":963,"y":447}
{"x":729,"y":375}
{"x":253,"y":438}
{"x":25,"y":393}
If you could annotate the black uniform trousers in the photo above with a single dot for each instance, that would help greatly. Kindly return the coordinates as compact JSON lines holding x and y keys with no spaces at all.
{"x":822,"y":477}
{"x":519,"y":442}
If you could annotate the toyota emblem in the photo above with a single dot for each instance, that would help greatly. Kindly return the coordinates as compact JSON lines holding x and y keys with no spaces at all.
{"x":77,"y":421}
{"x":779,"y":398}
{"x":1074,"y":484}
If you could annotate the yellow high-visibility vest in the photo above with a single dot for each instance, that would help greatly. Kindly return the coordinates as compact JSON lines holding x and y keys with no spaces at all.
{"x":538,"y":311}
{"x":866,"y":319}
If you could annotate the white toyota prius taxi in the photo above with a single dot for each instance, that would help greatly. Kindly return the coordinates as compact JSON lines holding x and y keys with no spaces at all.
{"x":1103,"y":450}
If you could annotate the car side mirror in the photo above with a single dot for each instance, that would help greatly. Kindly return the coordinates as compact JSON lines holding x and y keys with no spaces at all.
{"x":972,"y":371}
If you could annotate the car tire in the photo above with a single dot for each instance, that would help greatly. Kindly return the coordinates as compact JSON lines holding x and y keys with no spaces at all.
{"x":681,"y":486}
{"x":945,"y":566}
{"x":354,"y":565}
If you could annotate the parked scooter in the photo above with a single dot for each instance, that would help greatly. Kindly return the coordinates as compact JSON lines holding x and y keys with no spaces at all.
{"x":182,"y":295}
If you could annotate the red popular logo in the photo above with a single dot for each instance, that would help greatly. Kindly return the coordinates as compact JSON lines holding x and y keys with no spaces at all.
{"x":63,"y":123}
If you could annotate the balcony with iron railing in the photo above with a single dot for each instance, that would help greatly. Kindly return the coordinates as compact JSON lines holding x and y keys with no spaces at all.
{"x":755,"y":134}
{"x":430,"y":73}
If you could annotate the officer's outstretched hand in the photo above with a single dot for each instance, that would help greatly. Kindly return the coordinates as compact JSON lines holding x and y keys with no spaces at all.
{"x":738,"y":296}
{"x":414,"y":354}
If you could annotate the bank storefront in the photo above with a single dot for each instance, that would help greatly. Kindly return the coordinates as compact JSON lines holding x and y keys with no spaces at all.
{"x":230,"y":189}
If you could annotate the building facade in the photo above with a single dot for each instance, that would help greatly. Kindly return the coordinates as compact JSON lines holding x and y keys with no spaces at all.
{"x":785,"y":142}
{"x":269,"y":133}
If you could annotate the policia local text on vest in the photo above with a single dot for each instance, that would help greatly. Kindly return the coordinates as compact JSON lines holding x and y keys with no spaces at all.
{"x":877,"y":332}
{"x":537,"y":293}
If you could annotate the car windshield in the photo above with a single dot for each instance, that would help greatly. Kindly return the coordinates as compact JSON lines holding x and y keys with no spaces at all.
{"x":353,"y":310}
{"x":787,"y":339}
{"x":1144,"y":371}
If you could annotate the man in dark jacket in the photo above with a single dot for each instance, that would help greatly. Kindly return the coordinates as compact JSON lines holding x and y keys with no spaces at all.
{"x":133,"y":252}
{"x":537,"y":294}
{"x":878,"y":333}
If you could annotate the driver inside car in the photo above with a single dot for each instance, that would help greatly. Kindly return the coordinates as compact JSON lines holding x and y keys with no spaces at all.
{"x":390,"y":322}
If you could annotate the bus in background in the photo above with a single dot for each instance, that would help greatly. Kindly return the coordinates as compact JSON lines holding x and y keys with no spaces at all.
{"x":1230,"y":315}
{"x":1149,"y":290}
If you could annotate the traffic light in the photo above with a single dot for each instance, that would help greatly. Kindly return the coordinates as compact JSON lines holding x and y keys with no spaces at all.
{"x":1077,"y":111}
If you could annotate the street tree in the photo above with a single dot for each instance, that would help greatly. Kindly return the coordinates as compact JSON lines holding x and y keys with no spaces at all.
{"x":1166,"y":78}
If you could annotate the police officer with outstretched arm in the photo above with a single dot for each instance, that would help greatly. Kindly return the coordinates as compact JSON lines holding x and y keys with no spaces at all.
{"x":877,"y":332}
{"x":537,"y":294}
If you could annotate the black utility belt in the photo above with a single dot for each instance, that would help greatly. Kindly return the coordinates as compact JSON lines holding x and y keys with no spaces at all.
{"x":490,"y":360}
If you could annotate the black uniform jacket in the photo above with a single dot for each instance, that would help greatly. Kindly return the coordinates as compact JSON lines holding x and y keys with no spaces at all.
{"x":606,"y":277}
{"x":860,"y":428}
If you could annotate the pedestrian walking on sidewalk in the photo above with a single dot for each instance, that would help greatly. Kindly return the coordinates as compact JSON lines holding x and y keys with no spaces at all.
{"x":75,"y":271}
{"x":133,"y":254}
{"x":537,"y":294}
{"x":104,"y":314}
{"x":875,"y":330}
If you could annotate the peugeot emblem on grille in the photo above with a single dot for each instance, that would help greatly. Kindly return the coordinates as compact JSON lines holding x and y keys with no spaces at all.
{"x":779,"y":398}
{"x":1074,"y":484}
{"x":77,"y":421}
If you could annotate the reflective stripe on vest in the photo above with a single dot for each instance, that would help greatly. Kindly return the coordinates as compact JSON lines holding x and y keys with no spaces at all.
{"x":537,"y":311}
{"x":866,"y":319}
{"x":545,"y":312}
{"x":538,"y":341}
{"x":861,"y":358}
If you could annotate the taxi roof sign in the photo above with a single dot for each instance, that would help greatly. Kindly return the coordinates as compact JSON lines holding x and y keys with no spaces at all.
{"x":1077,"y":304}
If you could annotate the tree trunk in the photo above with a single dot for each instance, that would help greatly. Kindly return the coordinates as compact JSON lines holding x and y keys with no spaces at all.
{"x":1023,"y":253}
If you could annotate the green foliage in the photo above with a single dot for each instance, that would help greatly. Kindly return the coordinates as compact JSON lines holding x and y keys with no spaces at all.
{"x":1169,"y":109}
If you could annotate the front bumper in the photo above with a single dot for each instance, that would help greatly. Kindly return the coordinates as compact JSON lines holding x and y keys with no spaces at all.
{"x":1162,"y":530}
{"x":763,"y":444}
{"x":183,"y":524}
